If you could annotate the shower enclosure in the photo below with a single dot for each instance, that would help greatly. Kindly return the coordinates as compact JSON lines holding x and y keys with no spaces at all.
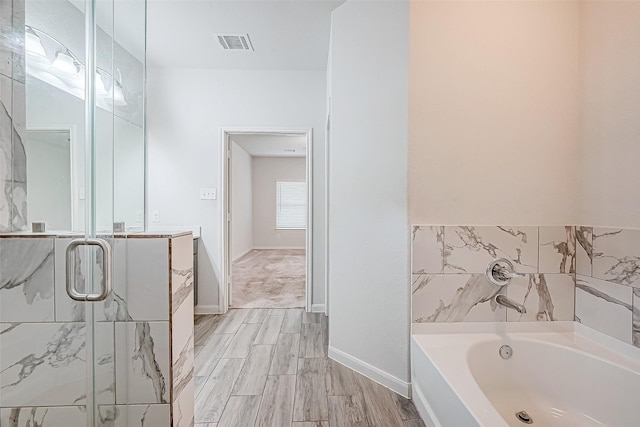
{"x":72,"y":156}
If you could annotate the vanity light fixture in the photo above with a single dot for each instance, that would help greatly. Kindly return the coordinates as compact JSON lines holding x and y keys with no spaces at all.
{"x":65,"y":63}
{"x":67,"y":68}
{"x":33,"y":44}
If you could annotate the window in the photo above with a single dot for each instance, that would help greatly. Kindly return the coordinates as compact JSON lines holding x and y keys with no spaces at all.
{"x":291,"y":205}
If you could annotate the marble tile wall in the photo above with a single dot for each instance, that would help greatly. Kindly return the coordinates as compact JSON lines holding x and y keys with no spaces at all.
{"x":587,"y":274}
{"x":608,"y":281}
{"x":448,"y":272}
{"x":13,"y":165}
{"x":143,"y":335}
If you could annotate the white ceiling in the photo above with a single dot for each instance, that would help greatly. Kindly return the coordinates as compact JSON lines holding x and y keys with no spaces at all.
{"x":286,"y":35}
{"x":272,"y":145}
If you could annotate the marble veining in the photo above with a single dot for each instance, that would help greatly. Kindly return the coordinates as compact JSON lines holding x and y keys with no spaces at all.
{"x":145,"y":353}
{"x":26,"y":280}
{"x":52,"y":416}
{"x":605,"y":306}
{"x":557,"y":249}
{"x":182,"y":284}
{"x":183,"y":367}
{"x":427,"y":249}
{"x":547,"y":297}
{"x":38,"y":358}
{"x":584,"y":250}
{"x":616,"y":255}
{"x":636,"y":317}
{"x":594,"y":291}
{"x":475,"y":291}
{"x":469,"y":249}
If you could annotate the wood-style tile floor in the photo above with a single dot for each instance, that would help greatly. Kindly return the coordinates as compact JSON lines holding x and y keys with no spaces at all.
{"x":269,"y":367}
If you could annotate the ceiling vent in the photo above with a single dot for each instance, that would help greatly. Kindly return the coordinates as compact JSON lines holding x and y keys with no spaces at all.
{"x":235,"y":41}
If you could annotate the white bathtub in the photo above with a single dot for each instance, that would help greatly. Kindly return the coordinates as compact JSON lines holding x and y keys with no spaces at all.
{"x":560,"y":373}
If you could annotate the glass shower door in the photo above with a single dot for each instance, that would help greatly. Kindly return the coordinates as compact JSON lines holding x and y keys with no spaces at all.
{"x":76,"y":68}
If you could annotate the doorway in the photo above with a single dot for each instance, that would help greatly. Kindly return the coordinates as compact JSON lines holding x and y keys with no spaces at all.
{"x":267,"y":195}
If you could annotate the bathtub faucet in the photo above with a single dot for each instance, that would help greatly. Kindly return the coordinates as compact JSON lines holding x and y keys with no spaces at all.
{"x":506,"y":302}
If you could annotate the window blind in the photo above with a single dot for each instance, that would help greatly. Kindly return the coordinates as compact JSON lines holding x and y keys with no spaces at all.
{"x":291,"y":205}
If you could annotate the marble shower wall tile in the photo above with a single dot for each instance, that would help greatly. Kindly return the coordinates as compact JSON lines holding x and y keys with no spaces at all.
{"x":19,"y":206}
{"x":183,"y":407}
{"x":605,"y":306}
{"x":5,"y":206}
{"x":26,"y":280}
{"x":557,"y":249}
{"x":142,"y":362}
{"x":454,"y":298}
{"x":469,"y":249}
{"x":146,"y":286}
{"x":636,"y":317}
{"x":42,"y":364}
{"x":181,"y":271}
{"x":19,"y":132}
{"x":53,"y":416}
{"x":6,"y":126}
{"x":584,"y":250}
{"x":616,"y":255}
{"x":182,"y":347}
{"x":6,"y":38}
{"x":427,"y":249}
{"x":19,"y":65}
{"x":545,"y":296}
{"x":134,"y":416}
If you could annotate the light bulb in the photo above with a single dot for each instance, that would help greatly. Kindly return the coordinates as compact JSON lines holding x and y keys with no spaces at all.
{"x":100,"y":88}
{"x":65,"y":64}
{"x":33,"y":45}
{"x":118,"y":95}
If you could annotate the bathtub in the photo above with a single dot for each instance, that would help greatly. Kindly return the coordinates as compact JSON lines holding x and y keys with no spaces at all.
{"x":559,"y":374}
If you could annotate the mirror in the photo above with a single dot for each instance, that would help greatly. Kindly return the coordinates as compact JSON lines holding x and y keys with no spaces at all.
{"x":49,"y":170}
{"x":55,"y":90}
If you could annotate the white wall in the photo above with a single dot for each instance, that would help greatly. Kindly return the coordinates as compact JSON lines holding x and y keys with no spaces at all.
{"x":494,"y":112}
{"x":49,"y":172}
{"x":186,"y":109}
{"x":610,"y":115}
{"x":368,"y":254}
{"x":241,"y":202}
{"x":266,"y":171}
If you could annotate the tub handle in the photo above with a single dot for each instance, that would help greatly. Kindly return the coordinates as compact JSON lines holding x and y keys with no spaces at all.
{"x":501,"y":271}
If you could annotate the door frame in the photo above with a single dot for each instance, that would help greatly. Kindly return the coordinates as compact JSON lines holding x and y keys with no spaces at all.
{"x":74,"y":172}
{"x":224,"y":286}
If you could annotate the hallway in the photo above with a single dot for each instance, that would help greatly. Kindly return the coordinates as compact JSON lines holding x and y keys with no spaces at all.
{"x":269,"y":278}
{"x":264,"y":367}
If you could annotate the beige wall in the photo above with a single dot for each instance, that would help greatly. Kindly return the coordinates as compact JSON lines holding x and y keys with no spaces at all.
{"x":493,"y":112}
{"x":241,"y":202}
{"x":610,"y":140}
{"x":266,"y":171}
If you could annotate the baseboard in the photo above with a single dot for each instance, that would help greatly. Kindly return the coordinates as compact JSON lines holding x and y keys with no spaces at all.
{"x":317,"y":308}
{"x":395,"y":384}
{"x":206,"y":309}
{"x":279,"y":247}
{"x":241,"y":255}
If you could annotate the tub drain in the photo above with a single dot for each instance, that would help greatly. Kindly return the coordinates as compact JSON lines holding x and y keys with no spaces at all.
{"x":522,"y":416}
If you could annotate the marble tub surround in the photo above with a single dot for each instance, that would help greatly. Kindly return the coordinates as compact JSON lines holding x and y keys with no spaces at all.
{"x":144,"y":332}
{"x":583,"y":273}
{"x":608,"y":280}
{"x":13,"y":180}
{"x":449,"y":262}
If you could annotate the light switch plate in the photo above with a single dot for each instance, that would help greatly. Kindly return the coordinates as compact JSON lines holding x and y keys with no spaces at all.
{"x":208,"y":194}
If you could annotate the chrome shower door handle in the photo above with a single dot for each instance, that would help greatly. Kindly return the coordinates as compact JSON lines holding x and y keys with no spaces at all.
{"x":106,"y":269}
